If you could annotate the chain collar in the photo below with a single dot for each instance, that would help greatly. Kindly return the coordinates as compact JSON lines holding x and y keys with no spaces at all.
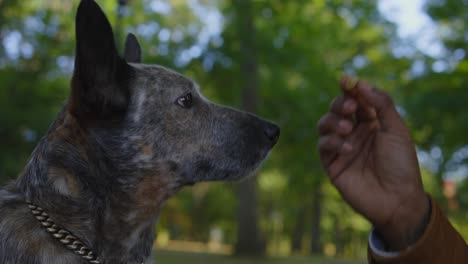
{"x":63,"y":236}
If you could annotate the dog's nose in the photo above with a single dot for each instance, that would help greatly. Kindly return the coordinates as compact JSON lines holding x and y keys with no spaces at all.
{"x":272,"y":132}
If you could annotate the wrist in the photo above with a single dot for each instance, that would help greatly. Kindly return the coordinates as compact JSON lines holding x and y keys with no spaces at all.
{"x":407,"y":224}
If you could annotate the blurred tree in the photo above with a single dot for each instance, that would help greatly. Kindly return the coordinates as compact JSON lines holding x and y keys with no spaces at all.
{"x":280,"y":59}
{"x":300,"y":48}
{"x":248,"y":234}
{"x":32,"y":85}
{"x":435,"y":97}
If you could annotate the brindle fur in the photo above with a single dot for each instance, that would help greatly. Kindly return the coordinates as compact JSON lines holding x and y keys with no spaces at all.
{"x":118,"y":150}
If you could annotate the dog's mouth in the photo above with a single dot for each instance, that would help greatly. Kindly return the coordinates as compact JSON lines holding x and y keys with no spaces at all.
{"x":237,"y":170}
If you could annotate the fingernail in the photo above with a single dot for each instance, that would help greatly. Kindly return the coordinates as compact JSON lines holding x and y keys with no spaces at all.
{"x":346,"y":148}
{"x":349,"y":105}
{"x":345,"y":126}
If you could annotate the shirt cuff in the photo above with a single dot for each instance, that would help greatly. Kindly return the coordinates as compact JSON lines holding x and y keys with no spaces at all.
{"x":377,"y":246}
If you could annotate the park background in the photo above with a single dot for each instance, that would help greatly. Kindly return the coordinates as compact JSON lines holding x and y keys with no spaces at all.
{"x":280,"y":59}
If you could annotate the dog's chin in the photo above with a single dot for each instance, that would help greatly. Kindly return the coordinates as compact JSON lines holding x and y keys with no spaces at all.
{"x":244,"y":173}
{"x":252,"y":170}
{"x":248,"y":174}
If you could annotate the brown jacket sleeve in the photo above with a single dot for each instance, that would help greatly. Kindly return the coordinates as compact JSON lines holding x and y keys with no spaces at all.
{"x":439,"y":244}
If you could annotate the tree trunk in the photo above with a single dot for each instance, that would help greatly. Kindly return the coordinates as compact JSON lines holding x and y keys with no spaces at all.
{"x":315,"y":235}
{"x":248,"y":235}
{"x":338,"y":237}
{"x":299,"y":230}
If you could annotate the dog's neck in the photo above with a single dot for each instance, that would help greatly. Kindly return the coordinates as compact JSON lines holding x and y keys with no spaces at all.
{"x":130,"y":219}
{"x":88,"y":195}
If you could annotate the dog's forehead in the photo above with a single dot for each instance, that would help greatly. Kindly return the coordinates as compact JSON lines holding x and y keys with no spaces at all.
{"x":163,"y":78}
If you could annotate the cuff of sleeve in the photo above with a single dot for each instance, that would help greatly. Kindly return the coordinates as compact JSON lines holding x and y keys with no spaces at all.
{"x":422,"y":245}
{"x":377,"y":246}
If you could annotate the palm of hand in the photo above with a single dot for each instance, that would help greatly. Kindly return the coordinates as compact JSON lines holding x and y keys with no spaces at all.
{"x":376,"y":174}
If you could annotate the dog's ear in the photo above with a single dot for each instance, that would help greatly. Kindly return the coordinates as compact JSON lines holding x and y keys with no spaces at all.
{"x":100,"y":80}
{"x":132,"y":49}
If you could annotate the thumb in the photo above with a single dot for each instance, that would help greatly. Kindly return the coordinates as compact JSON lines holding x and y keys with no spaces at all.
{"x":388,"y":116}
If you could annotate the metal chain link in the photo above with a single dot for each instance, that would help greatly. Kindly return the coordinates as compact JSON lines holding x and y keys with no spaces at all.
{"x":63,"y":236}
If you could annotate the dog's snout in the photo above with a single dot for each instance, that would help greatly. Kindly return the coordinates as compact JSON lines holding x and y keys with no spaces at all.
{"x":272,"y":132}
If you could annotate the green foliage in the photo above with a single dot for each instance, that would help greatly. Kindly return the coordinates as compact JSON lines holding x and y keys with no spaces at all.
{"x":302,"y":48}
{"x":434,"y":100}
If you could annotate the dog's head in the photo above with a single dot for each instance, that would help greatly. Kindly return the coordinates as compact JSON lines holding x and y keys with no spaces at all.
{"x":149,"y":118}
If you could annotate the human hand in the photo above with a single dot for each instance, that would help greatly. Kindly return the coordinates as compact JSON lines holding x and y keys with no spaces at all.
{"x":370,"y":157}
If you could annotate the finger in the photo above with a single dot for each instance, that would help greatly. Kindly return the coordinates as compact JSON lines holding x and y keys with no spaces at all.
{"x":328,"y":157}
{"x":330,"y":143}
{"x":382,"y":103}
{"x":332,"y":123}
{"x":357,"y":141}
{"x":344,"y":105}
{"x":330,"y":147}
{"x":365,"y":113}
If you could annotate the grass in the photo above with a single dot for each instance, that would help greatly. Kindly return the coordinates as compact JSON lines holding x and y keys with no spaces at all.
{"x":172,"y":257}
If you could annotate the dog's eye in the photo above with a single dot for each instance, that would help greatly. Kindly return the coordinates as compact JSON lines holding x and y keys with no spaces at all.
{"x":185,"y":101}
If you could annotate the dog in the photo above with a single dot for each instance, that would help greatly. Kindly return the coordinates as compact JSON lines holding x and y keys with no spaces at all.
{"x":128,"y":137}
